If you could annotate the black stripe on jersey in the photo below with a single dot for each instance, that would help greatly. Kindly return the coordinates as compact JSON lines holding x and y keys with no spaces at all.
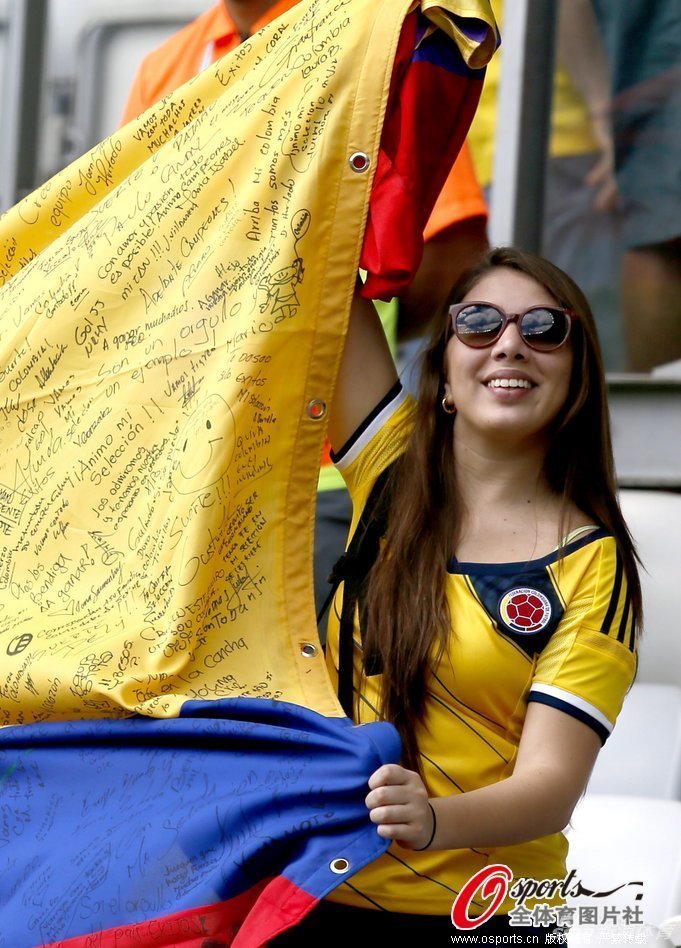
{"x":509,"y":641}
{"x":365,"y":896}
{"x":614,"y":597}
{"x":374,"y":413}
{"x":361,"y":697}
{"x":625,"y":621}
{"x":463,"y":703}
{"x":631,"y":638}
{"x":570,"y":709}
{"x":497,"y":628}
{"x":555,"y":584}
{"x":369,"y":705}
{"x":472,"y":590}
{"x":443,"y":772}
{"x":470,"y":727}
{"x":422,"y":875}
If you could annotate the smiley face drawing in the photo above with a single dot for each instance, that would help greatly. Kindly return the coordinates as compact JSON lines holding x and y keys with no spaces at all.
{"x":205,"y":445}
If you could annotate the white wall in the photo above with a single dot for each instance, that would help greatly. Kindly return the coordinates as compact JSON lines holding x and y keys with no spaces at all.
{"x":69,"y":22}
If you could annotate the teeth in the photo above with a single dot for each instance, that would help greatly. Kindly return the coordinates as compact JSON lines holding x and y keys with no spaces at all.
{"x":509,"y":383}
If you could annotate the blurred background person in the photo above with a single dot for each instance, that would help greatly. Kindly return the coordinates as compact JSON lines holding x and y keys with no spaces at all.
{"x":581,"y":223}
{"x":643,"y":41}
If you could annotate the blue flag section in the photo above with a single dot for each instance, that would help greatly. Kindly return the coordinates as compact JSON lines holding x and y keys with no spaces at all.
{"x":230,"y":822}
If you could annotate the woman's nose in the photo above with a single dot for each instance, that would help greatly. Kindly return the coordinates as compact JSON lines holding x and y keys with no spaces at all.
{"x":510,"y":344}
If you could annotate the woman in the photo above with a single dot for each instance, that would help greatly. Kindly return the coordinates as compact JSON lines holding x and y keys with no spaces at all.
{"x":501,"y":616}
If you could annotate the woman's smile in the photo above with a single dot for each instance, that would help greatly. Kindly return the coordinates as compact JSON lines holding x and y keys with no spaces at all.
{"x":506,"y":384}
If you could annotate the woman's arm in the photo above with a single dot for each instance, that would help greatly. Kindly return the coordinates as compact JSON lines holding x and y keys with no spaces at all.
{"x":367,"y":372}
{"x":582,"y":54}
{"x":555,"y":758}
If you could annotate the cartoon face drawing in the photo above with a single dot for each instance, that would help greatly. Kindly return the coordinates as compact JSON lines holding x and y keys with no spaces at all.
{"x":205,"y":445}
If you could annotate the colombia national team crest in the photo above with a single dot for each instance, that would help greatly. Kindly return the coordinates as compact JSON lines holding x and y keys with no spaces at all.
{"x":522,"y":603}
{"x":525,"y":610}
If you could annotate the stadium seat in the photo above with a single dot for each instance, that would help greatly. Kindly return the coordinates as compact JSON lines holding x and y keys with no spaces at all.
{"x":654,"y":518}
{"x":643,"y":755}
{"x":672,"y":929}
{"x":616,"y":840}
{"x":649,"y":727}
{"x":627,"y":828}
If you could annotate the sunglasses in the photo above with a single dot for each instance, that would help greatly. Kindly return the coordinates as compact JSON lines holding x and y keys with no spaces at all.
{"x":479,"y":325}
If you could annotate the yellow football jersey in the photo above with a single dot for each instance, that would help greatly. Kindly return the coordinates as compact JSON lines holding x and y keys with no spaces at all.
{"x":557,"y":630}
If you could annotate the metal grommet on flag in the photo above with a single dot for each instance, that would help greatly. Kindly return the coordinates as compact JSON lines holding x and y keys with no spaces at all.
{"x":316,"y":409}
{"x":360,"y":162}
{"x":308,"y":650}
{"x":340,"y":866}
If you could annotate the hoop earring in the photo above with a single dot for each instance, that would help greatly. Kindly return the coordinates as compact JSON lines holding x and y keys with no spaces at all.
{"x":447,"y":408}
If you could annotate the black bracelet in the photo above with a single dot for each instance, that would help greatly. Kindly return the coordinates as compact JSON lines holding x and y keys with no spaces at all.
{"x":432,"y":835}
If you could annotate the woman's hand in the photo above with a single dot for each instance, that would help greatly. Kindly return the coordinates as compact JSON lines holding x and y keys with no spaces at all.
{"x":398,"y":804}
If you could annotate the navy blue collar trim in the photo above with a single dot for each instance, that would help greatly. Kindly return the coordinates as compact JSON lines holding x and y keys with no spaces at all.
{"x":502,"y":569}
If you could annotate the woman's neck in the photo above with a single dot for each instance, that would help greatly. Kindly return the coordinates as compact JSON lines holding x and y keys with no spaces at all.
{"x":499,"y":473}
{"x":245,"y":13}
{"x":509,"y":513}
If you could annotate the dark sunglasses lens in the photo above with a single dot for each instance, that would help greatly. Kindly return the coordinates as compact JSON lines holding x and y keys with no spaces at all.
{"x":478,"y":325}
{"x":545,"y":328}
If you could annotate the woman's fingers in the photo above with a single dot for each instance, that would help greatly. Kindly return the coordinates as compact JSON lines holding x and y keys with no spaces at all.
{"x":383,"y":796}
{"x":393,"y":784}
{"x":398,"y":805}
{"x":391,"y":775}
{"x":395,"y":813}
{"x":397,"y":831}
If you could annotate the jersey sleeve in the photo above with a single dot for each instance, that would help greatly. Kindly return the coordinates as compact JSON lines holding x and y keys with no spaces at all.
{"x":589,"y":663}
{"x":380,"y":439}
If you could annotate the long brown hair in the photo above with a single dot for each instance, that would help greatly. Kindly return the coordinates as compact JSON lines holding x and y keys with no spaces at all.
{"x":406,"y":616}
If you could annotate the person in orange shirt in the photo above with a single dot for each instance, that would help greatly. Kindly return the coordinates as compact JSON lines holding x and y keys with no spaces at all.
{"x":195,"y":47}
{"x":455,"y":234}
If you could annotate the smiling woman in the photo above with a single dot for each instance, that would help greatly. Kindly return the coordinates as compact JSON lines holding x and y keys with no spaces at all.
{"x":499,"y":620}
{"x":506,"y":385}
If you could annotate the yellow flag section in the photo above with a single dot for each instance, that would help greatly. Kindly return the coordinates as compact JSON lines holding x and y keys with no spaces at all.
{"x":171,"y":319}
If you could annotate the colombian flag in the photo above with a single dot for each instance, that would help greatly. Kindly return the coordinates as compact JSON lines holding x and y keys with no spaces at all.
{"x":175,"y":767}
{"x":225,"y":825}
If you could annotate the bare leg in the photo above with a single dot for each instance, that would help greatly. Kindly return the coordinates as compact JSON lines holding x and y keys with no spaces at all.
{"x":651,"y":305}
